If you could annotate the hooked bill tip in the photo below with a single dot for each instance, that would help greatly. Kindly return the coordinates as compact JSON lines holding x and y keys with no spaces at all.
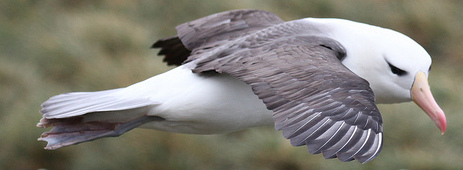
{"x":422,"y":96}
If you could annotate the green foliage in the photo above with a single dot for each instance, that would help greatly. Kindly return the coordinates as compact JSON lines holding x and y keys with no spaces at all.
{"x":51,"y":47}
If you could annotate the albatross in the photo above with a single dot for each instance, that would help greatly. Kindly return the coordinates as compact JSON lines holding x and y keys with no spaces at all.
{"x":316,"y":80}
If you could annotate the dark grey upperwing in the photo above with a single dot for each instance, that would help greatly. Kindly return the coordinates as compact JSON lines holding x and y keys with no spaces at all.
{"x":316,"y":100}
{"x":212,"y":31}
{"x":297,"y":73}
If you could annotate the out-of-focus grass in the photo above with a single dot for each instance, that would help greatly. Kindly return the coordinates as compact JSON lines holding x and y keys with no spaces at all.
{"x":51,"y":47}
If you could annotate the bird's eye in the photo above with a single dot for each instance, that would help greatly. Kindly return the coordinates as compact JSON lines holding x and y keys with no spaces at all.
{"x":397,"y":70}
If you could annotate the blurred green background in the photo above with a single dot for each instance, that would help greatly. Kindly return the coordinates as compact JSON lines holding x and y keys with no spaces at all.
{"x":51,"y":46}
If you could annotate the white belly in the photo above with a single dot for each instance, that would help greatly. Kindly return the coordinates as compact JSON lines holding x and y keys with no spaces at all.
{"x":201,"y":104}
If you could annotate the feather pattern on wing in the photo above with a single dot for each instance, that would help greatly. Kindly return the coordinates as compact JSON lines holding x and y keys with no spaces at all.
{"x":298,"y":74}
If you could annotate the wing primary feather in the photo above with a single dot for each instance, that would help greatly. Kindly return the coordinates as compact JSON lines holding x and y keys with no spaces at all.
{"x":355,"y":148}
{"x":338,"y":125}
{"x":336,"y":148}
{"x":362,"y":154}
{"x":376,"y":150}
{"x":320,"y":130}
{"x":290,"y":130}
{"x":318,"y":142}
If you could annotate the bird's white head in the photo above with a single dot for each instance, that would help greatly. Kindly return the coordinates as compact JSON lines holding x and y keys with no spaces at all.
{"x":395,"y":65}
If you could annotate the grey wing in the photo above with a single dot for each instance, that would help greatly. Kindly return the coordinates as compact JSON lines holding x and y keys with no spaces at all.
{"x":206,"y":33}
{"x":315,"y":99}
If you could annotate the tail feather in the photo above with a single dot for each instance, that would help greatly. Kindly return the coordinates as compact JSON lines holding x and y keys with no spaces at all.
{"x":73,"y":131}
{"x":79,"y":103}
{"x":85,"y":116}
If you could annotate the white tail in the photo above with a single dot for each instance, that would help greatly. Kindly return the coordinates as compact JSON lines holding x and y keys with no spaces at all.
{"x":84,"y":116}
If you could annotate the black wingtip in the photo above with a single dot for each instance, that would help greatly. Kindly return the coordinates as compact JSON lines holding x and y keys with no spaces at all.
{"x":173,"y":50}
{"x":158,"y":43}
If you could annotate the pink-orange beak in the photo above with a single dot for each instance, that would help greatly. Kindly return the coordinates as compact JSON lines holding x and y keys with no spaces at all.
{"x":422,"y":96}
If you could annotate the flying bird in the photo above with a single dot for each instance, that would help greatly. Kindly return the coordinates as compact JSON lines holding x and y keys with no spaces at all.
{"x":316,"y":80}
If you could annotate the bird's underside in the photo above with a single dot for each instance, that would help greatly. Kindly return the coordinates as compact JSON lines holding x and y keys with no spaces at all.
{"x":290,"y":66}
